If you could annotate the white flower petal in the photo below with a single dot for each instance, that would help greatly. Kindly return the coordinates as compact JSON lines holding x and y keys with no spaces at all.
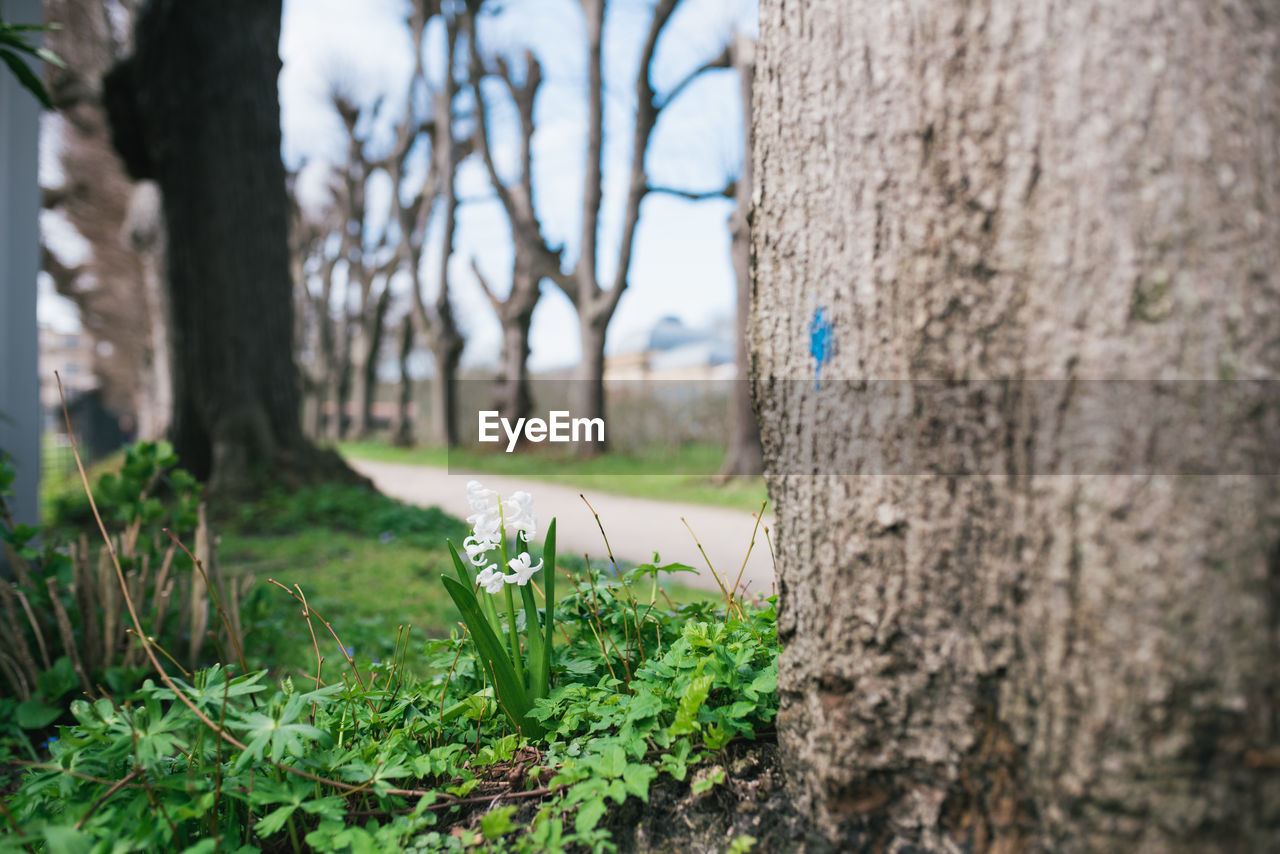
{"x":520,"y":565}
{"x":490,"y":579}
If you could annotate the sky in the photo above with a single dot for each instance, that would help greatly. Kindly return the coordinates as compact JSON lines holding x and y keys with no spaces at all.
{"x":681,"y":257}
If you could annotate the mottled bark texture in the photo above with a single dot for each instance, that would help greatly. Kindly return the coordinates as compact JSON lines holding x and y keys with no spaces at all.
{"x":744,"y":456}
{"x":114,"y":286}
{"x":196,"y":109}
{"x":1036,"y":190}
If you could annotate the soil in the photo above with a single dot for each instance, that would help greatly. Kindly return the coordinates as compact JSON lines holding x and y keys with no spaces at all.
{"x":751,"y":801}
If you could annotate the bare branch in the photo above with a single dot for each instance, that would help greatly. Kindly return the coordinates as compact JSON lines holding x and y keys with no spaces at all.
{"x":484,"y":285}
{"x":646,"y":119}
{"x":729,"y":191}
{"x":724,"y":60}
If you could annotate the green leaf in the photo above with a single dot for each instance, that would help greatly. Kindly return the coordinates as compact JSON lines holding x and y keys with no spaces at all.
{"x":57,"y":680}
{"x":463,"y":574}
{"x":589,"y":815}
{"x":274,"y":820}
{"x":537,"y":652}
{"x":511,"y":693}
{"x":652,"y":570}
{"x":708,"y":782}
{"x":36,"y":714}
{"x":67,"y":839}
{"x":767,"y":681}
{"x":50,"y":57}
{"x":637,"y":779}
{"x":686,"y":721}
{"x":612,"y":760}
{"x":549,"y":567}
{"x":497,"y":823}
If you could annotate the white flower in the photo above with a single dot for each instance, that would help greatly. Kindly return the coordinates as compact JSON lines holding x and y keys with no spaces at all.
{"x":477,"y":549}
{"x":490,"y":579}
{"x":523,"y":571}
{"x":479,"y":496}
{"x":519,"y":515}
{"x":486,"y":522}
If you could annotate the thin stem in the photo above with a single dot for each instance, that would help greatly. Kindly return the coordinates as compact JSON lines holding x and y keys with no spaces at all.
{"x":515,"y":637}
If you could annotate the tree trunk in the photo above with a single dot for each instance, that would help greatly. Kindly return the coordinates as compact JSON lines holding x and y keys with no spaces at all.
{"x":338,"y":386}
{"x":447,"y":350}
{"x":144,"y":230}
{"x":402,"y":427}
{"x":204,"y":121}
{"x":987,"y":647}
{"x":111,"y":287}
{"x":587,"y":394}
{"x":744,"y":456}
{"x":364,"y":367}
{"x":511,"y":390}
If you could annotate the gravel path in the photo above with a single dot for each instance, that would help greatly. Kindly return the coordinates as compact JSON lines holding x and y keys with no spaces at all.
{"x":636,"y":526}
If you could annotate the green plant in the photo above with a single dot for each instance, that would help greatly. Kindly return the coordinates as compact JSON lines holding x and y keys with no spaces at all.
{"x":384,"y":762}
{"x":517,"y":686}
{"x":64,"y":627}
{"x":640,"y":693}
{"x":14,"y":44}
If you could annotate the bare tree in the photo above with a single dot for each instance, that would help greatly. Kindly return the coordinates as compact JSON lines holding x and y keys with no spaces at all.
{"x":368,"y":261}
{"x":435,"y":319}
{"x":534,"y":259}
{"x":584,"y":285}
{"x":118,"y":286}
{"x":1033,"y":632}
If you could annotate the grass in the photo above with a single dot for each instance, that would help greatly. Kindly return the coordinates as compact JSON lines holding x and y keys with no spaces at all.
{"x":61,"y":494}
{"x":640,"y":696}
{"x":630,"y":474}
{"x":368,"y":564}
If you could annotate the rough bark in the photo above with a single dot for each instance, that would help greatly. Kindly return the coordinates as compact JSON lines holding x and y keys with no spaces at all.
{"x":144,"y":231}
{"x":744,"y":456}
{"x":113,"y":286}
{"x":197,"y":110}
{"x":1024,"y":659}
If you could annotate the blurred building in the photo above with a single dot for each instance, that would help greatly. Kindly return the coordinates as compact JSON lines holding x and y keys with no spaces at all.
{"x":71,"y":355}
{"x":671,"y":350}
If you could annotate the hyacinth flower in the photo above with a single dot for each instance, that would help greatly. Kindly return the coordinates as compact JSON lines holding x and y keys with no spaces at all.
{"x":521,"y":673}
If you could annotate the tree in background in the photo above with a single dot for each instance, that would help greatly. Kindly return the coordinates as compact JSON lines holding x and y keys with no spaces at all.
{"x":595,"y":303}
{"x":744,"y":455}
{"x":368,"y":259}
{"x":534,"y":258}
{"x":196,"y":109}
{"x":436,"y":319}
{"x":995,"y":650}
{"x":352,"y":258}
{"x":117,"y":282}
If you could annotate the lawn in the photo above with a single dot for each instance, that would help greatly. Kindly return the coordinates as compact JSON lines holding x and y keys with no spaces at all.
{"x":367,"y":563}
{"x":629,"y":474}
{"x":435,"y":742}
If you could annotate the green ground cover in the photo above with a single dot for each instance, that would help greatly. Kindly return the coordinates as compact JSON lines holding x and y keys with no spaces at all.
{"x":405,"y":747}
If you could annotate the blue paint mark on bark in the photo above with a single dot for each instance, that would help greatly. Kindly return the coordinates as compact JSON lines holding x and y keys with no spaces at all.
{"x":820,"y":343}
